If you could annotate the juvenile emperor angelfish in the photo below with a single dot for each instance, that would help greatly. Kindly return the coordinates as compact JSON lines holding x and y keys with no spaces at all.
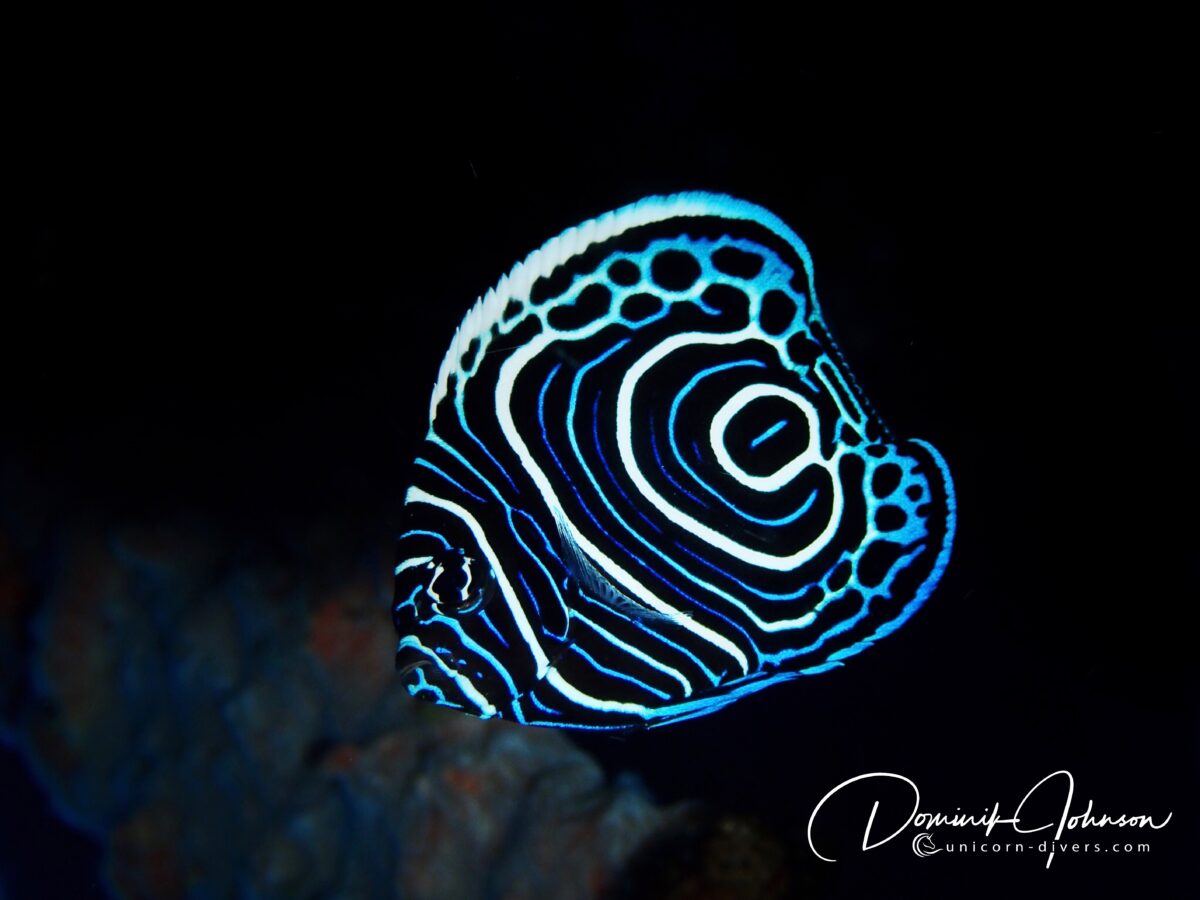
{"x":651,"y":485}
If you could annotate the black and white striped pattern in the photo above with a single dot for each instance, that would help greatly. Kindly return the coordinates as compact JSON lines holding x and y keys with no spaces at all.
{"x":651,"y":485}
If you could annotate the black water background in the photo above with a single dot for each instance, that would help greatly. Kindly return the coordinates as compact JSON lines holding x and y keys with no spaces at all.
{"x":240,"y":292}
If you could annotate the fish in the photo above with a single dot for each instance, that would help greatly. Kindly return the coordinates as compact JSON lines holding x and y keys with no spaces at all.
{"x":651,"y":485}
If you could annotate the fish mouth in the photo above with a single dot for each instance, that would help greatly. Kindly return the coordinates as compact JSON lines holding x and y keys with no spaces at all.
{"x":410,"y":660}
{"x":426,"y":678}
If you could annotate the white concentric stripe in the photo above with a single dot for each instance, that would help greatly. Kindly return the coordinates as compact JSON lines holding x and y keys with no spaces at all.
{"x":413,"y":563}
{"x":635,"y":652}
{"x":679,"y":517}
{"x":504,"y":394}
{"x":575,"y":695}
{"x":777,"y":625}
{"x":543,"y":261}
{"x":803,"y":621}
{"x":486,"y":710}
{"x":417,"y":495}
{"x":789,"y":470}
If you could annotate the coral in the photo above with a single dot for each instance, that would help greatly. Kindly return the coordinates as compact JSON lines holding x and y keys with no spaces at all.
{"x":222,"y":714}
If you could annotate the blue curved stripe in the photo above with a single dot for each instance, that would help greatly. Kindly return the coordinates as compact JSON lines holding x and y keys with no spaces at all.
{"x":619,"y":675}
{"x":667,"y":472}
{"x":439,"y":441}
{"x":428,"y":465}
{"x":532,"y":596}
{"x":537,"y":560}
{"x":483,"y":617}
{"x":543,"y":707}
{"x":708,"y":673}
{"x":462,"y":421}
{"x":608,"y":471}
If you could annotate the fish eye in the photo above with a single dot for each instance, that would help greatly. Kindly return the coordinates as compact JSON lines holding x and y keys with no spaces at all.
{"x":459,"y":584}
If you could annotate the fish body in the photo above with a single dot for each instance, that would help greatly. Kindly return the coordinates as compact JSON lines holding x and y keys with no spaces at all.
{"x":651,"y":485}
